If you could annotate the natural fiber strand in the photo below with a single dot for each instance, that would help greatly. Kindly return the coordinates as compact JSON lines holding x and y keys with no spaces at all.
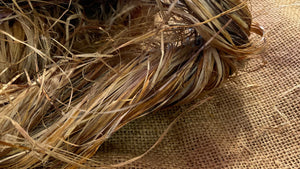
{"x":74,"y":72}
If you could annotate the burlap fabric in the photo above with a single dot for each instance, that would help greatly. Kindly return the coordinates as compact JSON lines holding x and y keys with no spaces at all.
{"x":252,"y":121}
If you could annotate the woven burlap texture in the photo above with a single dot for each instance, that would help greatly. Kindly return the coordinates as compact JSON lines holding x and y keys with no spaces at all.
{"x":252,"y":121}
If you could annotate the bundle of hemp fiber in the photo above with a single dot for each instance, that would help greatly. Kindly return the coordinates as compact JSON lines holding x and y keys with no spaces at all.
{"x":73,"y":72}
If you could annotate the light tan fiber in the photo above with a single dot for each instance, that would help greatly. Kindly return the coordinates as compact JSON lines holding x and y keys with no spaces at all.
{"x":149,"y":84}
{"x":251,"y":122}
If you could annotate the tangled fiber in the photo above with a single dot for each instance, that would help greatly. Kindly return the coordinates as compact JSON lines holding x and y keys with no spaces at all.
{"x":75,"y":71}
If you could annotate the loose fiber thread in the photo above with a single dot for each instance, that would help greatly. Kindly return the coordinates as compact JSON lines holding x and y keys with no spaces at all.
{"x":74,"y":72}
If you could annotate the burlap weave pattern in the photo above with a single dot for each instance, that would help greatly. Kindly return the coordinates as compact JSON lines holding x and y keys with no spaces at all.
{"x":252,"y":121}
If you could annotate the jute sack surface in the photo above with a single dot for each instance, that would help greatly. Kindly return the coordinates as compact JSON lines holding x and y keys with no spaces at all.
{"x":253,"y":121}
